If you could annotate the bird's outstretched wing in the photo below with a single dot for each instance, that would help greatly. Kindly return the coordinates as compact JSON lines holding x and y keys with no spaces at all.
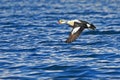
{"x":74,"y":34}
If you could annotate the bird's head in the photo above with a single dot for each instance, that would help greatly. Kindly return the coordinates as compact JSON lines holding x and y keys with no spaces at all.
{"x":62,"y":21}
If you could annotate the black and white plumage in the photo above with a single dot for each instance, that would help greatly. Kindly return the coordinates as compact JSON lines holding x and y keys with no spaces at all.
{"x":78,"y":26}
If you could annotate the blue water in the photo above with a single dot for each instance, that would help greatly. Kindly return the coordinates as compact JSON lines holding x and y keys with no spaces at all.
{"x":32,"y":43}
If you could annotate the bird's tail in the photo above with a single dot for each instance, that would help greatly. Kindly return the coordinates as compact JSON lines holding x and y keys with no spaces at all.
{"x":92,"y":27}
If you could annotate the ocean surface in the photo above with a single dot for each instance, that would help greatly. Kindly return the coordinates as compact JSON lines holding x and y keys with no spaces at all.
{"x":32,"y":43}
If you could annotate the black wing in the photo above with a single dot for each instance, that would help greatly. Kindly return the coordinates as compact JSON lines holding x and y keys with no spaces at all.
{"x":74,"y":34}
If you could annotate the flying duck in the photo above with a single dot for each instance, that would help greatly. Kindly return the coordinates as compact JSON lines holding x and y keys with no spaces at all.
{"x":77,"y":27}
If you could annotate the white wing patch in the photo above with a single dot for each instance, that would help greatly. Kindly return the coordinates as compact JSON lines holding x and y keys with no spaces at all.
{"x":75,"y":30}
{"x":88,"y":25}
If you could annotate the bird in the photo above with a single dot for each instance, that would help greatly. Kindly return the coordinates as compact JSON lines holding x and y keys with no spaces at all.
{"x":77,"y":28}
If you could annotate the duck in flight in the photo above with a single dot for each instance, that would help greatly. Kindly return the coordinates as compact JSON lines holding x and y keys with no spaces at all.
{"x":77,"y":27}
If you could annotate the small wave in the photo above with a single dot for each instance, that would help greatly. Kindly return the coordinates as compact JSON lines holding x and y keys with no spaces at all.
{"x":101,"y":32}
{"x":17,"y":78}
{"x":94,"y":43}
{"x":84,"y":12}
{"x":56,"y":67}
{"x":18,"y":50}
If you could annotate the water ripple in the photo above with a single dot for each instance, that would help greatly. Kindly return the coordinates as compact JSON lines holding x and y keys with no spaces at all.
{"x":32,"y":43}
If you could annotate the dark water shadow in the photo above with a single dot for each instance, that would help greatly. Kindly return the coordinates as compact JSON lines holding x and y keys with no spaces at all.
{"x":17,"y":78}
{"x":18,"y":50}
{"x":101,"y":32}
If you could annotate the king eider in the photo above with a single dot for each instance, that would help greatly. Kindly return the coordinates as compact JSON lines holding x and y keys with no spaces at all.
{"x":77,"y":27}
